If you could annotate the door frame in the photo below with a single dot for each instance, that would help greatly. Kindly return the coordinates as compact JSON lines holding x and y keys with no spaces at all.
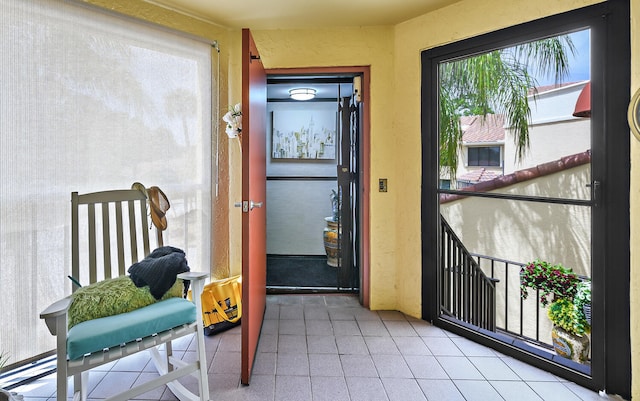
{"x":364,"y":151}
{"x":611,"y":368}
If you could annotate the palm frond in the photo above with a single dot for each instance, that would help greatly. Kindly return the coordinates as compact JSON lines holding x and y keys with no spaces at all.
{"x":499,"y":81}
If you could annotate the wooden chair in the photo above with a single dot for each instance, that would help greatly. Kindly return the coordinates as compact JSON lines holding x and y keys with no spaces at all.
{"x":121,"y":215}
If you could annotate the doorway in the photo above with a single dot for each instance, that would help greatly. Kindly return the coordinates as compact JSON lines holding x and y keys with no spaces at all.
{"x":314,"y":167}
{"x":486,"y":219}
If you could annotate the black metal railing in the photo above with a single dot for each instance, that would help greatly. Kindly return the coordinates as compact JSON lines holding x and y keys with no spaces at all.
{"x":514,"y":316}
{"x":484,"y":291}
{"x":467,"y":293}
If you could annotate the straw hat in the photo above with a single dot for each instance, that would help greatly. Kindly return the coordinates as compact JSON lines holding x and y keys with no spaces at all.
{"x":158,"y":202}
{"x":159,"y":206}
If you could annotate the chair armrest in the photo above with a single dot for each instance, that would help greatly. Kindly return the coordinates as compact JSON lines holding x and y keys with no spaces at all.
{"x":193,"y":276}
{"x":54,"y":312}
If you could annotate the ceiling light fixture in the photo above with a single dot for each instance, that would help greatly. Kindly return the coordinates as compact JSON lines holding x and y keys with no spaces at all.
{"x":302,"y":93}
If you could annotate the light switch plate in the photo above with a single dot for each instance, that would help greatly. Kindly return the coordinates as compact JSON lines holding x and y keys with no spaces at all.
{"x":382,"y":185}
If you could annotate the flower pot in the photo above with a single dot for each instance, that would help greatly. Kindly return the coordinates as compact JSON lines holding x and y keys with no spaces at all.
{"x":331,"y":241}
{"x":569,"y":345}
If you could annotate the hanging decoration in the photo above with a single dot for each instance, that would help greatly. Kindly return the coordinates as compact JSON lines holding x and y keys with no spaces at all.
{"x":233,"y":118}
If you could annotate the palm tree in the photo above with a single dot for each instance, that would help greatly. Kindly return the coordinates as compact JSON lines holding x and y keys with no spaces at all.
{"x":501,"y":80}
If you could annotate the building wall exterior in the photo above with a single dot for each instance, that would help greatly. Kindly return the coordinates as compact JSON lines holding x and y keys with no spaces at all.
{"x":524,"y":231}
{"x":494,"y":227}
{"x":554,"y":132}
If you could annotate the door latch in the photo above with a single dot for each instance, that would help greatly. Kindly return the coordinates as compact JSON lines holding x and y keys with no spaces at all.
{"x":595,"y":192}
{"x":244,"y":205}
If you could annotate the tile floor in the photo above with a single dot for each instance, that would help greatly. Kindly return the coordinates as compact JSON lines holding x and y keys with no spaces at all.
{"x":327,"y":347}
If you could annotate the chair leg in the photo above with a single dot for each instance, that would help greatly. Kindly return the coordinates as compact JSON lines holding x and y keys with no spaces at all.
{"x":168,"y":346}
{"x":80,"y":384}
{"x":197,"y":287}
{"x":62,"y":381}
{"x":202,"y":358}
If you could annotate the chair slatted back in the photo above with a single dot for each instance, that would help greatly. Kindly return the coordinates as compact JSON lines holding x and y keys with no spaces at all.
{"x":116,"y":218}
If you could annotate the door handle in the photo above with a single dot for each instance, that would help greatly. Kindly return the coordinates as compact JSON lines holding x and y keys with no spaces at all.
{"x":253,"y":204}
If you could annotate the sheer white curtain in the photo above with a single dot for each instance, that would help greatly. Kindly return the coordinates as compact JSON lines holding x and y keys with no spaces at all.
{"x":90,"y":101}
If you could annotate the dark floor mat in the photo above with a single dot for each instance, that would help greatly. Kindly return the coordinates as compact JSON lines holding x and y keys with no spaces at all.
{"x":300,"y":271}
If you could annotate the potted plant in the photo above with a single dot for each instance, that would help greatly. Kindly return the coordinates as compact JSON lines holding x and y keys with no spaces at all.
{"x":331,"y":231}
{"x":4,"y":357}
{"x":565,"y":294}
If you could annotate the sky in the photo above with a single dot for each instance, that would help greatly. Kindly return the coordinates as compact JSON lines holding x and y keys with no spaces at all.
{"x":579,"y":64}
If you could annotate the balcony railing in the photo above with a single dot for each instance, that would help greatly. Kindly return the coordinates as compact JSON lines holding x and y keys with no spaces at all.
{"x":467,"y":293}
{"x":523,"y":319}
{"x":484,"y":291}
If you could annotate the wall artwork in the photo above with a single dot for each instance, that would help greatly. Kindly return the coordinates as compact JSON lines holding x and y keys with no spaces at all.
{"x":304,"y":134}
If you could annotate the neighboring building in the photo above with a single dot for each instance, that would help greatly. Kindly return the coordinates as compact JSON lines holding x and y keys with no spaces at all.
{"x":488,"y":150}
{"x":482,"y":155}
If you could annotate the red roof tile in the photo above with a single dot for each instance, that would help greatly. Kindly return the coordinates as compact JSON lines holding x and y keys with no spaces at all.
{"x":479,"y":175}
{"x":479,"y":129}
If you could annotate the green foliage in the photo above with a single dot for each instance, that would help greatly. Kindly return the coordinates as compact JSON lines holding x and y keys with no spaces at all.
{"x":583,"y":293}
{"x":499,"y":80}
{"x":4,"y":358}
{"x":566,"y":314}
{"x":564,"y":289}
{"x":552,"y":280}
{"x":583,"y":296}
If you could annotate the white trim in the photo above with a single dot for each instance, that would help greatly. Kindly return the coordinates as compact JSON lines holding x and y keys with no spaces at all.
{"x":482,"y":144}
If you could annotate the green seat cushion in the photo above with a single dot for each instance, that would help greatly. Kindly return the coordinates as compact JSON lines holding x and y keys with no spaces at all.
{"x":98,"y":334}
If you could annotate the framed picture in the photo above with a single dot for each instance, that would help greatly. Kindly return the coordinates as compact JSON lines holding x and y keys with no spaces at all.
{"x":304,"y":134}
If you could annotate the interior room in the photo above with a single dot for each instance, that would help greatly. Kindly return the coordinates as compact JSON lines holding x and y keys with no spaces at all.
{"x":302,"y":180}
{"x":186,"y":108}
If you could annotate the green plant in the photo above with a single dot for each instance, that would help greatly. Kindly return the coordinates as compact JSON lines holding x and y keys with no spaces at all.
{"x":566,"y":314}
{"x":583,"y":297}
{"x":552,"y":280}
{"x":4,"y":358}
{"x":583,"y":294}
{"x":499,"y":82}
{"x":560,"y":289}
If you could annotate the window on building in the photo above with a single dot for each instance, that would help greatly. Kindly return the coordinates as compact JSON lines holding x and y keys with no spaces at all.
{"x":484,"y":156}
